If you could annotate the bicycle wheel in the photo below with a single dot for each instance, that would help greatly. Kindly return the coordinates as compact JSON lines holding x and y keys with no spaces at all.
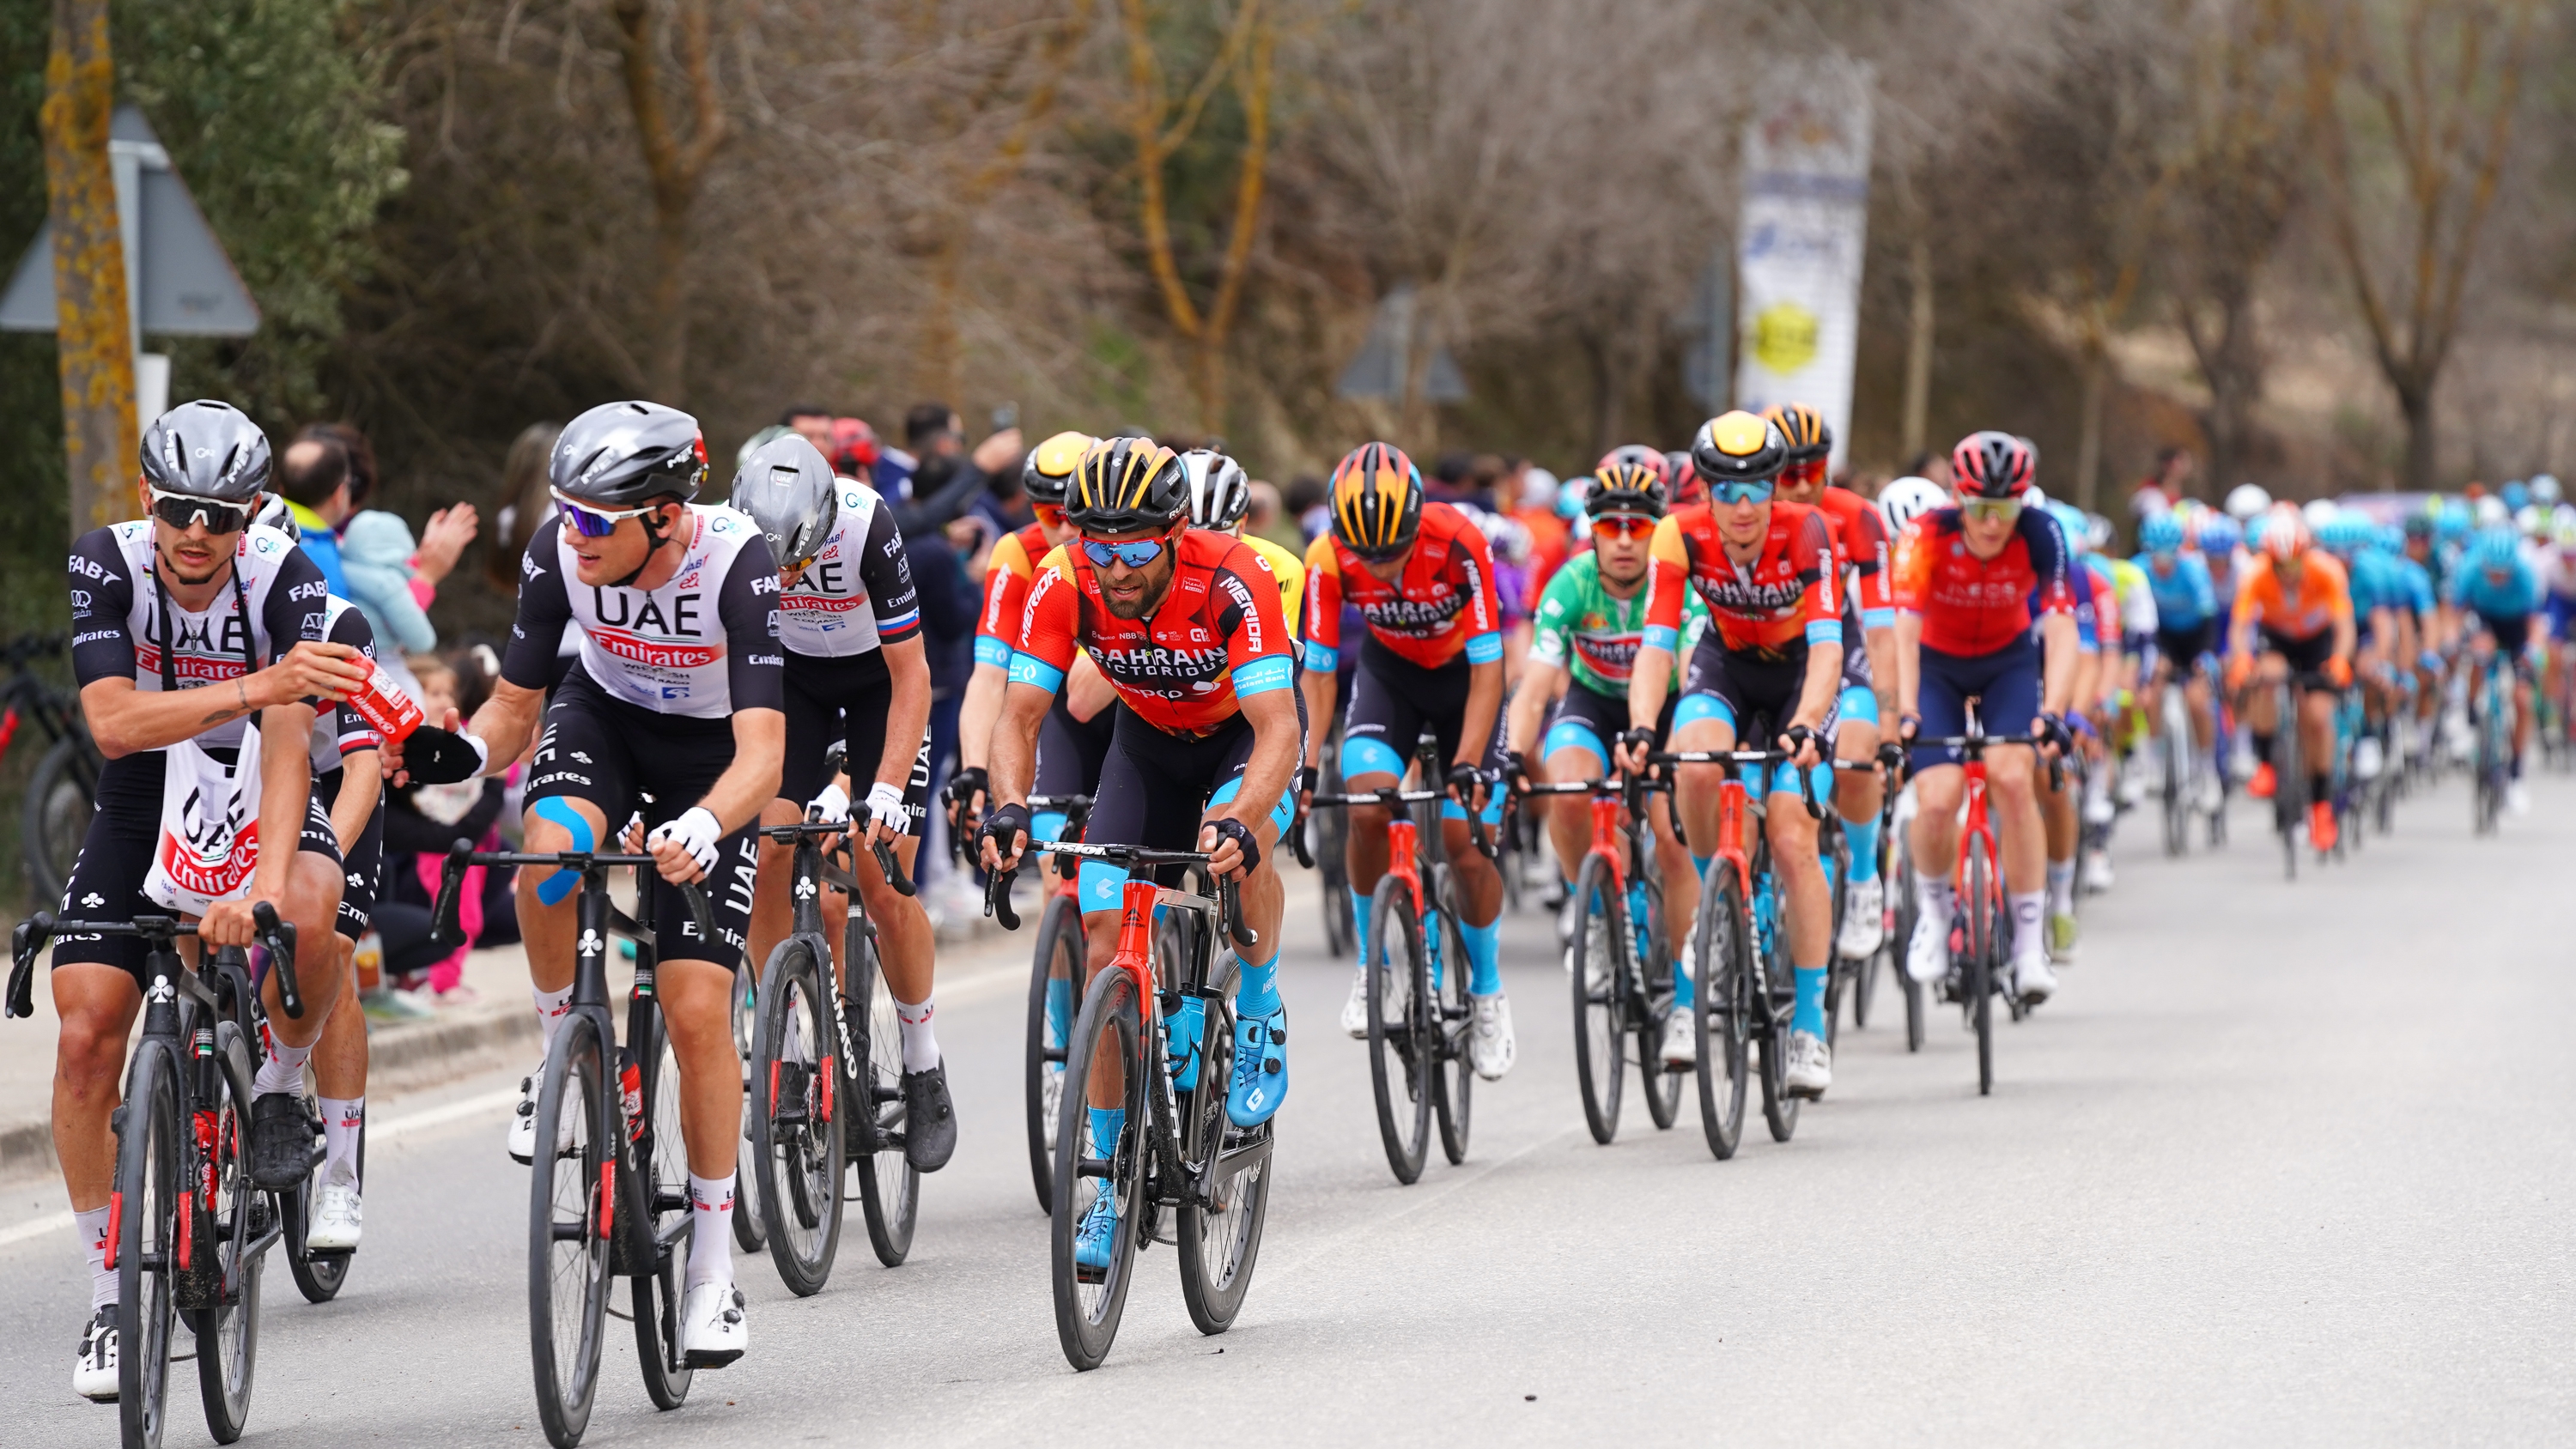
{"x":2289,"y":780}
{"x":1599,"y":980}
{"x":1905,"y":909}
{"x":1650,"y":1007}
{"x":148,"y":1185}
{"x":1723,"y":1020}
{"x":1108,"y":1048}
{"x":1985,"y":952}
{"x":1452,"y":1019}
{"x":797,"y":1140}
{"x":1838,"y":971}
{"x":661,"y":1167}
{"x":1054,"y":974}
{"x":1401,"y":1044}
{"x":55,"y":819}
{"x":218,"y":1289}
{"x":750,"y":1230}
{"x":568,"y":1223}
{"x":889,"y":1186}
{"x":318,"y":1276}
{"x":2177,"y":764}
{"x":1220,"y":1238}
{"x":1775,"y":992}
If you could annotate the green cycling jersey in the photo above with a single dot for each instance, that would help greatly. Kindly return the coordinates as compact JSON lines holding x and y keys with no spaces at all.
{"x":1581,"y":627}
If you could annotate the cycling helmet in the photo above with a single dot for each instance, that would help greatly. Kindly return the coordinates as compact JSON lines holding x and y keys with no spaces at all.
{"x":854,"y":447}
{"x":1570,"y":495}
{"x":1127,"y":485}
{"x":1538,"y":489}
{"x":2247,"y":502}
{"x":2319,"y":512}
{"x":2419,"y":525}
{"x":206,"y":449}
{"x":276,"y":514}
{"x":1504,"y":536}
{"x":2490,"y":512}
{"x":1049,"y":469}
{"x":2531,"y":521}
{"x":1805,"y":429}
{"x":2495,"y":548}
{"x":1630,"y":489}
{"x":627,"y":454}
{"x":758,"y":440}
{"x":2515,"y":495}
{"x":1739,"y":447}
{"x":1376,"y":500}
{"x":2160,"y":533}
{"x":1908,"y":499}
{"x":1639,"y":455}
{"x":792,"y":496}
{"x":2562,"y":528}
{"x":1219,"y":493}
{"x":1992,"y":464}
{"x":1683,"y":478}
{"x":2544,"y":489}
{"x":2454,"y":523}
{"x":2285,"y":531}
{"x":2070,"y":522}
{"x":2220,"y":534}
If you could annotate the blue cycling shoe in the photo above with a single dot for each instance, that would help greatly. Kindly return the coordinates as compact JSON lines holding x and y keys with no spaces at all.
{"x":1093,"y":1241}
{"x":1260,"y":1080}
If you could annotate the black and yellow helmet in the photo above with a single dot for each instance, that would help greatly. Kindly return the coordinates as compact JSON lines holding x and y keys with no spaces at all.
{"x":1739,"y":447}
{"x":1127,"y":485}
{"x":1376,"y":500}
{"x":1804,"y":428}
{"x":1049,"y":471}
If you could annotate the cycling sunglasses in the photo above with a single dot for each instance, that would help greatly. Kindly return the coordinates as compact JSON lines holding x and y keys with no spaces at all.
{"x":1048,"y":515}
{"x":1623,"y":525}
{"x":1988,"y":509}
{"x":180,"y":510}
{"x":1733,"y":491}
{"x":591,"y":522}
{"x":1134,"y":555}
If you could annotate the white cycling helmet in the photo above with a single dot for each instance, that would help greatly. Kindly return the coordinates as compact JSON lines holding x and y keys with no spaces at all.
{"x":2544,"y":489}
{"x":1506,"y":536}
{"x":1219,"y":493}
{"x":1907,"y":499}
{"x":2246,"y":501}
{"x":2532,"y":521}
{"x":2491,"y":512}
{"x":1538,"y":489}
{"x":2320,"y":512}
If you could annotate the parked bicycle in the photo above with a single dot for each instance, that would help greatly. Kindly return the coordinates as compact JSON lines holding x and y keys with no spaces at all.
{"x":62,"y":789}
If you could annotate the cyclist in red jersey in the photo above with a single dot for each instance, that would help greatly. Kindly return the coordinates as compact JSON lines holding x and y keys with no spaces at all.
{"x":1422,"y":576}
{"x":1773,"y":652}
{"x":1968,"y":581}
{"x":1864,"y":558}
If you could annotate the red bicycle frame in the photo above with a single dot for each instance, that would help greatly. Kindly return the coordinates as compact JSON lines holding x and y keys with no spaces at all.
{"x":1978,"y":825}
{"x":1401,"y":838}
{"x":1733,"y":806}
{"x":1135,"y":953}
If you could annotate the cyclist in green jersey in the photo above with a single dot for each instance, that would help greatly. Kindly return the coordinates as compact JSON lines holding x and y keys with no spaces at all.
{"x":1589,"y":623}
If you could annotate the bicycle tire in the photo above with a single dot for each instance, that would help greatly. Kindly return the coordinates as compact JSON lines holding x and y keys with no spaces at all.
{"x":1087,"y":1313}
{"x":1722,"y":1020}
{"x":889,"y":1185}
{"x":2177,"y":791}
{"x":1654,"y":974}
{"x":1452,"y":1018}
{"x":798,"y":1143}
{"x":567,"y":1243}
{"x":1838,"y":894}
{"x":1060,"y":956}
{"x":1600,"y":1013}
{"x":1775,"y":993}
{"x":1400,"y":1060}
{"x":750,"y":1230}
{"x":148,"y":1181}
{"x":660,"y":1161}
{"x":318,"y":1276}
{"x":1905,"y":911}
{"x":227,"y":1332}
{"x":1221,"y":1241}
{"x":1985,"y":949}
{"x":2289,"y":781}
{"x":54,"y":820}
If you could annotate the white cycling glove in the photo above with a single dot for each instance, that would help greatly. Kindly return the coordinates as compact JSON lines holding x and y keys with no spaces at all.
{"x":832,"y":807}
{"x":885,"y":807}
{"x":696,"y":831}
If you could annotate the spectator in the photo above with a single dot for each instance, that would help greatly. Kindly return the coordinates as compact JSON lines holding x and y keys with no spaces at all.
{"x":313,"y":477}
{"x":2163,"y":488}
{"x":1550,"y":540}
{"x":951,"y":597}
{"x":814,"y":423}
{"x":942,"y":480}
{"x":1448,"y":480}
{"x":392,"y":579}
{"x":1305,"y":503}
{"x":1268,"y":518}
{"x":1005,"y":504}
{"x":421,"y":822}
{"x":853,"y":451}
{"x":527,"y":501}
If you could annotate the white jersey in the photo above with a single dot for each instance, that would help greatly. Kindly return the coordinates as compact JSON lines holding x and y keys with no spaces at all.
{"x":704,"y":645}
{"x":857,"y":594}
{"x":275,"y":597}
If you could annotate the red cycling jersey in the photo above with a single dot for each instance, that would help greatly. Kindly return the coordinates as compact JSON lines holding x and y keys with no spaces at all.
{"x":1441,"y":605}
{"x":1014,"y":563}
{"x":1789,"y":593}
{"x":1217,"y":637}
{"x":1861,"y":546}
{"x":1971,"y":605}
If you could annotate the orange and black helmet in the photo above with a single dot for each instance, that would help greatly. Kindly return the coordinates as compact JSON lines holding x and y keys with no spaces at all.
{"x":1804,"y":429}
{"x":1376,"y":500}
{"x":1127,"y":485}
{"x":1739,"y":447}
{"x":1632,"y":488}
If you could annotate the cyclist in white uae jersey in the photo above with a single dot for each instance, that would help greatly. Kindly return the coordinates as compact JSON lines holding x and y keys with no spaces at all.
{"x":676,"y":691}
{"x":856,"y":673}
{"x":187,"y":624}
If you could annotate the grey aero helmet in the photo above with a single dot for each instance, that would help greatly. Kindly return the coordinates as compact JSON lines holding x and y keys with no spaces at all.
{"x":788,"y":489}
{"x":624,"y":455}
{"x":1219,"y":492}
{"x":206,"y":449}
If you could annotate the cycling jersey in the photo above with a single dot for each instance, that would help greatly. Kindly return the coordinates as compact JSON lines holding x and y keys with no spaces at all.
{"x":2559,"y":572}
{"x":2132,"y":597}
{"x":2325,"y":597}
{"x":703,"y":646}
{"x":1290,"y":571}
{"x":2087,"y":590}
{"x":1013,"y":562}
{"x":1787,"y":598}
{"x":1591,"y":634}
{"x":1975,"y":606}
{"x":1216,"y":638}
{"x":338,"y":729}
{"x":121,"y":615}
{"x":2513,"y":596}
{"x":1441,"y":604}
{"x":2185,"y":595}
{"x":1863,"y":550}
{"x":857,"y":594}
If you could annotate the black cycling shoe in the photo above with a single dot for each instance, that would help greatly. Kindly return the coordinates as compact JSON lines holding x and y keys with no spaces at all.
{"x":929,"y":1122}
{"x":281,"y":1140}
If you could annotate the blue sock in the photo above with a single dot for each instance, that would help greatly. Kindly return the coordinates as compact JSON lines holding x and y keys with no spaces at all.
{"x":1059,"y":1008}
{"x":1182,"y":1034}
{"x":1810,"y":1015}
{"x":1863,"y":835}
{"x":1484,"y":973}
{"x":1360,"y":903}
{"x":1106,"y":1124}
{"x":1700,"y":862}
{"x":1258,"y":993}
{"x":1685,"y":985}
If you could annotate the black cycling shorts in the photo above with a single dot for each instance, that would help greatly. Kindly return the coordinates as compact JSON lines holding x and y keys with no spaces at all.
{"x":611,"y":754}
{"x":1739,"y":686}
{"x":1586,"y":719}
{"x":362,"y":866}
{"x":1156,"y":787}
{"x":820,"y":711}
{"x":1393,"y":698}
{"x":2185,"y":648}
{"x":116,"y":856}
{"x":2512,"y":634}
{"x":2306,"y":656}
{"x":1070,"y":751}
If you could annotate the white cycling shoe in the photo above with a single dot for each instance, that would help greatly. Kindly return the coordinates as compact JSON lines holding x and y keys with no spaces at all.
{"x":1811,"y":1065}
{"x":712,"y":1332}
{"x":1681,"y":1043}
{"x":2096,"y":872}
{"x":1927,"y":956}
{"x":1864,"y":920}
{"x":2517,"y":798}
{"x":339,"y":1219}
{"x":522,"y":1142}
{"x":1355,"y":1010}
{"x":1490,"y":1048}
{"x":2033,"y":980}
{"x":94,"y":1371}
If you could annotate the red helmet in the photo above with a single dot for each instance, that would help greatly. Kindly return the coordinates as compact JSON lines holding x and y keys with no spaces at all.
{"x":854,"y":447}
{"x":1992,"y":464}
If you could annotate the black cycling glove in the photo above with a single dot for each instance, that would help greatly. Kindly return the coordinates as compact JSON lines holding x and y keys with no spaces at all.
{"x":1004,"y":825}
{"x":1229,"y":828}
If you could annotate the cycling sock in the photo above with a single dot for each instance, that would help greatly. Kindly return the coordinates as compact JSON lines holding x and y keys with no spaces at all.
{"x":283,"y":1071}
{"x":1810,"y":1015}
{"x":710,"y":1229}
{"x":920,"y":1047}
{"x":1699,"y":863}
{"x":2320,"y":789}
{"x":2262,"y":748}
{"x":92,"y":1227}
{"x":1932,"y":892}
{"x":2061,"y":887}
{"x":1059,"y":1008}
{"x":2026,"y":911}
{"x":551,"y":1009}
{"x":1258,"y":994}
{"x":342,"y":1119}
{"x":1484,"y":973}
{"x":1360,"y":904}
{"x":1106,"y":1125}
{"x":1685,"y":979}
{"x":1181,"y":1041}
{"x":1863,"y":835}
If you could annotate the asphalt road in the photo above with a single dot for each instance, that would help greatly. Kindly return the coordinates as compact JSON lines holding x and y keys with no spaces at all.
{"x":2284,"y":1164}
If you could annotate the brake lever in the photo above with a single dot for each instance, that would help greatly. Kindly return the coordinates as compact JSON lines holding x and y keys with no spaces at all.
{"x":444,"y":930}
{"x":892,"y":868}
{"x":28,"y":939}
{"x":279,"y":937}
{"x":997,"y":898}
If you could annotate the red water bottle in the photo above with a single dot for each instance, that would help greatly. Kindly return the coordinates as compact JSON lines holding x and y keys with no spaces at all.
{"x":383,"y":704}
{"x":630,"y":1094}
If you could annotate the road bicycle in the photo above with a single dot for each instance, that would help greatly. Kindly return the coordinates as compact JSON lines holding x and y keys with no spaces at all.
{"x":1981,"y":931}
{"x":62,"y":789}
{"x":1156,"y":1035}
{"x":827,"y":1076}
{"x":2491,"y":720}
{"x":610,"y":1194}
{"x":1055,"y":974}
{"x":1328,"y":852}
{"x":2183,"y":762}
{"x":187,"y":1227}
{"x":319,"y":1273}
{"x":1419,"y":1015}
{"x":1621,"y":965}
{"x":1904,"y":905}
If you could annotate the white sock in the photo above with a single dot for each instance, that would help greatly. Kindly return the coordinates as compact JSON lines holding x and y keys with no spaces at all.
{"x":342,"y":1118}
{"x":710,"y":1229}
{"x":92,"y":1227}
{"x":2061,"y":886}
{"x":920,"y":1048}
{"x":283,"y":1070}
{"x":2026,"y":911}
{"x":551,"y":1006}
{"x":1933,"y":893}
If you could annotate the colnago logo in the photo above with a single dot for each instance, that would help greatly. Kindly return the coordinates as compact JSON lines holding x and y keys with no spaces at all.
{"x":637,"y":649}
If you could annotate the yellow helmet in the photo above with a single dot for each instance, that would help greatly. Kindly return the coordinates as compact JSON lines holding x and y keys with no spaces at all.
{"x":1738,"y":447}
{"x":1049,"y":470}
{"x":1127,"y":485}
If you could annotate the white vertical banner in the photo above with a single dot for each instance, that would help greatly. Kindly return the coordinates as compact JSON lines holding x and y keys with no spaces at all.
{"x":1806,"y":221}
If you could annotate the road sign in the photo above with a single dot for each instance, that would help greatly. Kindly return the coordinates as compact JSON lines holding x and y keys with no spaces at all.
{"x":181,"y":283}
{"x":1378,"y":371}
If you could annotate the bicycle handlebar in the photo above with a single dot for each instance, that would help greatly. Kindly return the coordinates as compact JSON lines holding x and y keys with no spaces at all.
{"x":448,"y":934}
{"x":1806,"y":783}
{"x":31,"y":935}
{"x":997,"y":887}
{"x":890,"y":867}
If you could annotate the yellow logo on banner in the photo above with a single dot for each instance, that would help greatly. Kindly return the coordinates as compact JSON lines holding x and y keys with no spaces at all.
{"x":1784,"y":338}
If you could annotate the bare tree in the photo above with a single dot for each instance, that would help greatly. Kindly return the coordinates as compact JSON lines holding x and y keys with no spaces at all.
{"x":676,"y":163}
{"x":90,"y":302}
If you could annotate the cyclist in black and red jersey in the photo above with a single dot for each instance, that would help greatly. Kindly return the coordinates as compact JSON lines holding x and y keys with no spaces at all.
{"x":1773,"y":651}
{"x":1423,"y":577}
